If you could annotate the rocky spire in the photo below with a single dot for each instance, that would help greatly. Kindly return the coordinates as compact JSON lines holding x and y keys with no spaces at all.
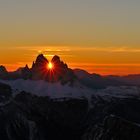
{"x":39,"y":67}
{"x":3,"y":69}
{"x":40,"y":62}
{"x":41,"y":59}
{"x":55,"y":59}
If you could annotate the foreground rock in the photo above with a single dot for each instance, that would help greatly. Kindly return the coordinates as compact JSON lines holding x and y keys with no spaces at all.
{"x":114,"y":128}
{"x":28,"y":117}
{"x":5,"y":93}
{"x":25,"y":116}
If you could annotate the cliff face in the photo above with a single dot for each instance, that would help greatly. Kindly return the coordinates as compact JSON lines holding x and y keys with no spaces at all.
{"x":59,"y":72}
{"x":29,"y":117}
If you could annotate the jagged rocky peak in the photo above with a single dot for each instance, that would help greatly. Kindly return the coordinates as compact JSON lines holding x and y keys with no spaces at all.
{"x":3,"y":72}
{"x":58,"y":63}
{"x":26,"y":67}
{"x":22,"y":69}
{"x":40,"y":63}
{"x":3,"y":69}
{"x":55,"y":59}
{"x":60,"y":70}
{"x":41,"y":71}
{"x":26,"y":72}
{"x":41,"y":59}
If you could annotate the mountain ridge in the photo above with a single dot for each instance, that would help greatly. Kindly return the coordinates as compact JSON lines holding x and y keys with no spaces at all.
{"x":40,"y":71}
{"x":62,"y":73}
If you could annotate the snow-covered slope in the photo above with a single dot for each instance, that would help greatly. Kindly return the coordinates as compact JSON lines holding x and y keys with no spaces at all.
{"x":43,"y":88}
{"x":57,"y":90}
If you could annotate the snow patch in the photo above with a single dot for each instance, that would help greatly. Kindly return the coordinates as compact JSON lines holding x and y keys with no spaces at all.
{"x":59,"y":92}
{"x":43,"y":88}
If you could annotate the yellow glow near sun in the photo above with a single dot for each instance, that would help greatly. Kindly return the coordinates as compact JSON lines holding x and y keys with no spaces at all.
{"x":50,"y":66}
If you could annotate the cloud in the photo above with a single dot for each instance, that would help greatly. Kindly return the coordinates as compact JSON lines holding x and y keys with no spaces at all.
{"x":62,"y":49}
{"x":126,"y":50}
{"x":122,"y":49}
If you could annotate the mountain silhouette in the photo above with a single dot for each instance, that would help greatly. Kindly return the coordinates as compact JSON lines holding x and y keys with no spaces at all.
{"x":40,"y":71}
{"x":60,"y":72}
{"x":63,"y":74}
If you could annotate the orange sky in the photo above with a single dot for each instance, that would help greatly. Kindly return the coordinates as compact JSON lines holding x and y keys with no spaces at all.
{"x":102,"y":60}
{"x":100,"y":36}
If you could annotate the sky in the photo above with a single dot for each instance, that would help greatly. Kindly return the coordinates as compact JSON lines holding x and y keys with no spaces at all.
{"x":100,"y":36}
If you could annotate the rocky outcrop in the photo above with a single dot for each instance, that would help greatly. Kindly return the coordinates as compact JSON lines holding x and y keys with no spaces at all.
{"x":26,"y":72}
{"x":54,"y":115}
{"x":29,"y":117}
{"x":114,"y":128}
{"x":5,"y":93}
{"x":38,"y":69}
{"x":3,"y":72}
{"x":60,"y":71}
{"x":17,"y":127}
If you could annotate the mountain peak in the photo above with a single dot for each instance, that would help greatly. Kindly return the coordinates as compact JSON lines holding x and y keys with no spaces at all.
{"x":3,"y":69}
{"x":40,"y":64}
{"x":40,"y":70}
{"x":41,"y":59}
{"x":59,"y":72}
{"x":55,"y":59}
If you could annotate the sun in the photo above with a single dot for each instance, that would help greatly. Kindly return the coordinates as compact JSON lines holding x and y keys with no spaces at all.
{"x":50,"y":66}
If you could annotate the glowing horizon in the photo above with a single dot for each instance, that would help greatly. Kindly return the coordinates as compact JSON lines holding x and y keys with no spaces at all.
{"x":100,"y":36}
{"x":104,"y":61}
